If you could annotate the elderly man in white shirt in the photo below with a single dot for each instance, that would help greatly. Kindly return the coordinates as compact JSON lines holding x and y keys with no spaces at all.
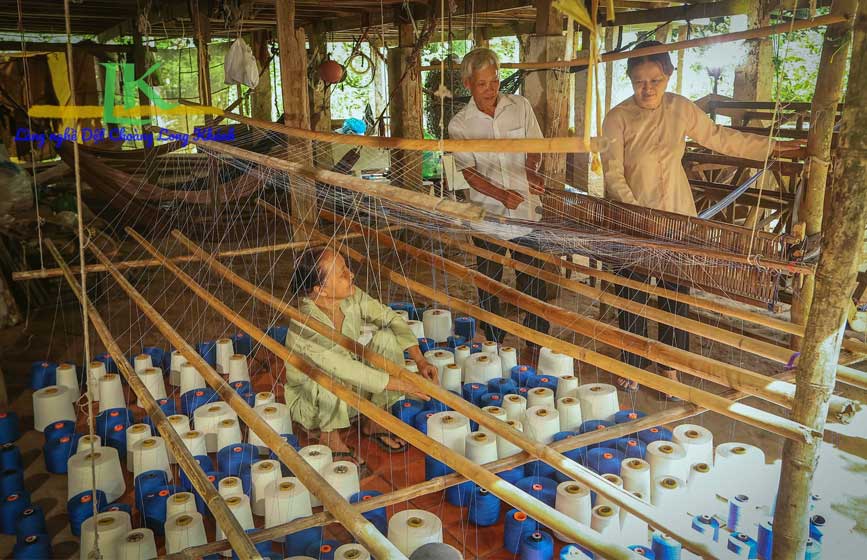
{"x":505,"y":184}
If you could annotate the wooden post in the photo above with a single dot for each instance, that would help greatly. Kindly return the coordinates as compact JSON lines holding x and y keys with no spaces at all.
{"x":753,"y":78}
{"x":261,"y":97}
{"x":404,"y":86}
{"x":610,"y":33}
{"x":823,"y":112}
{"x":226,"y":520}
{"x":681,"y":61}
{"x":835,"y":280}
{"x":201,"y":38}
{"x":139,"y":57}
{"x":320,"y":98}
{"x":379,"y":84}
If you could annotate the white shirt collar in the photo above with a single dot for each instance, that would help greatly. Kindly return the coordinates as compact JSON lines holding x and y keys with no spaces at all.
{"x":503,"y":101}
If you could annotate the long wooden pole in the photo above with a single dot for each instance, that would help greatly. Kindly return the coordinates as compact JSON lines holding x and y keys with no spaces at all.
{"x":756,"y":33}
{"x":835,"y":280}
{"x":227,"y":521}
{"x":521,"y":440}
{"x":495,"y":485}
{"x":363,"y":530}
{"x":694,"y":364}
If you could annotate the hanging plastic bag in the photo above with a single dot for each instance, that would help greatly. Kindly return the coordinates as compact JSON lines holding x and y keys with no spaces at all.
{"x":240,"y":66}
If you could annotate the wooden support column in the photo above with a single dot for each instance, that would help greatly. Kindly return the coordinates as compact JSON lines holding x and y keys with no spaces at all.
{"x":201,"y":38}
{"x":681,"y":60}
{"x":139,"y":58}
{"x":404,"y":86}
{"x":379,"y":85}
{"x":610,"y":34}
{"x":296,"y":111}
{"x":835,"y":280}
{"x":829,"y":88}
{"x":753,"y":78}
{"x":320,"y":98}
{"x":261,"y":97}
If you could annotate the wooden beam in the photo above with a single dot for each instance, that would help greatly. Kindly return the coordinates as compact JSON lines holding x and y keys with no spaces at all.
{"x":39,"y":47}
{"x":681,"y":13}
{"x":201,"y":38}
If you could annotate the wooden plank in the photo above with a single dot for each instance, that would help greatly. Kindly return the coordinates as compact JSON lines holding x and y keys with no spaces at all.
{"x":681,"y":13}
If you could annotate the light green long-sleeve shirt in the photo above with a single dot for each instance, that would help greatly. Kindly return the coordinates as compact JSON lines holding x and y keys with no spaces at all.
{"x":311,"y":405}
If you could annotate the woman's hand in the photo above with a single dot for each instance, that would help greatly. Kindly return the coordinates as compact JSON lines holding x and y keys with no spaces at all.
{"x":428,"y":370}
{"x":786,"y":146}
{"x":399,"y":385}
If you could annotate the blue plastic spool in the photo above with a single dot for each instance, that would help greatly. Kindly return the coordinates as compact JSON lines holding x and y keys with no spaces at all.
{"x":58,"y":429}
{"x":454,"y":341}
{"x":9,"y":431}
{"x":434,"y":405}
{"x":158,"y":356}
{"x":249,"y":398}
{"x":34,"y":546}
{"x":472,"y":392}
{"x":434,"y":468}
{"x":109,"y":418}
{"x":57,"y":452}
{"x":572,"y":551}
{"x":579,"y":455}
{"x":147,"y":482}
{"x":658,"y":433}
{"x":665,"y":547}
{"x":632,"y":448}
{"x":596,"y":425}
{"x":539,"y":468}
{"x":465,"y":327}
{"x":292,"y":440}
{"x":194,"y":398}
{"x":513,"y":475}
{"x":10,"y":457}
{"x":706,"y":525}
{"x":516,"y":525}
{"x":205,"y":462}
{"x":296,"y":544}
{"x":737,"y":542}
{"x":110,"y":365}
{"x":42,"y":374}
{"x":379,"y":516}
{"x":214,"y":478}
{"x":426,"y":344}
{"x":604,"y":460}
{"x":322,"y":550}
{"x":117,"y":506}
{"x":11,"y":481}
{"x":403,"y":306}
{"x":407,"y":410}
{"x":484,"y":509}
{"x":643,"y":551}
{"x":32,"y":521}
{"x":502,"y":385}
{"x":817,"y":527}
{"x":813,"y":550}
{"x":231,"y":458}
{"x":491,"y":399}
{"x":264,"y":548}
{"x":208,"y":350}
{"x":242,"y":343}
{"x":765,"y":541}
{"x":117,"y":439}
{"x":420,"y":420}
{"x":153,"y":514}
{"x":546,"y":381}
{"x":540,"y":487}
{"x":460,"y":495}
{"x":168,"y":407}
{"x":241,"y":387}
{"x":537,"y":545}
{"x":79,"y":508}
{"x":278,"y":333}
{"x":521,"y":374}
{"x":737,"y":506}
{"x":624,"y":416}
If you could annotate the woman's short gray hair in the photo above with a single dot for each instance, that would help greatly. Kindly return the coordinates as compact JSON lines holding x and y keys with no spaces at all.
{"x":477,"y":59}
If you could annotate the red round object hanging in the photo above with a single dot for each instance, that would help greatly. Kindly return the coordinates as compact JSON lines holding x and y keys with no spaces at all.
{"x":332,"y":72}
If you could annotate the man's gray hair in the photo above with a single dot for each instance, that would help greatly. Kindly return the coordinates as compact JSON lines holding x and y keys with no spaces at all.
{"x":477,"y":59}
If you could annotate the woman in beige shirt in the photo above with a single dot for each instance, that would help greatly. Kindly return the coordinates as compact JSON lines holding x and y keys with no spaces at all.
{"x":647,"y":139}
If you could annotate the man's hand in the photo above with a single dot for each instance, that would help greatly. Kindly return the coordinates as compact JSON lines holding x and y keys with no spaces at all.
{"x":786,"y":146}
{"x":536,"y":182}
{"x":428,"y":370}
{"x":510,"y":199}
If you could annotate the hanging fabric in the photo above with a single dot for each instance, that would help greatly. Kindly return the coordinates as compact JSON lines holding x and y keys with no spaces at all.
{"x":240,"y":66}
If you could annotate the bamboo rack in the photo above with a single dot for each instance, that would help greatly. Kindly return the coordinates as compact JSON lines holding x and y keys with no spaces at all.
{"x":363,"y":530}
{"x":227,"y":521}
{"x":503,"y":490}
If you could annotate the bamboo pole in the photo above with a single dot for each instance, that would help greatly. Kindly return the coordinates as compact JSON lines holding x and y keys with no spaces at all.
{"x":363,"y":530}
{"x":410,"y":199}
{"x":694,"y":364}
{"x":227,"y":521}
{"x":835,"y":281}
{"x":756,"y":33}
{"x":495,"y":485}
{"x":535,"y":449}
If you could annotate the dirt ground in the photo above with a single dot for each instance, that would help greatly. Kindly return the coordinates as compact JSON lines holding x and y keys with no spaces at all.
{"x":54,"y":332}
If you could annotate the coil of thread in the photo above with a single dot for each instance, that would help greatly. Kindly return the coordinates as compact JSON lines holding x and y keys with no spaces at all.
{"x":450,"y":429}
{"x":138,"y":544}
{"x":264,"y":474}
{"x":667,"y":492}
{"x":697,"y":441}
{"x":377,"y":516}
{"x":538,"y":545}
{"x":573,"y":499}
{"x":665,"y":547}
{"x":183,"y":531}
{"x":515,"y":527}
{"x":109,"y":476}
{"x":667,"y":458}
{"x":481,"y":368}
{"x":554,"y":363}
{"x":569,"y":409}
{"x":437,"y":324}
{"x":605,"y":521}
{"x":540,"y":396}
{"x":410,"y":529}
{"x":112,"y":527}
{"x":598,"y":401}
{"x":484,"y":507}
{"x":516,"y":407}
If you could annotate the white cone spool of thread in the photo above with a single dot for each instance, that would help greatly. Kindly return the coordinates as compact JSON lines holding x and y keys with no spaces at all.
{"x":598,"y":401}
{"x":668,"y":493}
{"x":137,"y":544}
{"x":141,"y":362}
{"x":498,"y":413}
{"x":240,"y":508}
{"x":181,"y":502}
{"x":111,"y":392}
{"x":68,"y":377}
{"x":228,"y":432}
{"x":135,"y":433}
{"x":450,"y":429}
{"x":351,"y":551}
{"x":230,"y":486}
{"x":417,"y":328}
{"x":439,"y":359}
{"x":51,"y":404}
{"x":437,"y":324}
{"x":567,"y":386}
{"x":632,"y":528}
{"x":450,"y":377}
{"x":635,"y":473}
{"x":573,"y":499}
{"x":403,"y":313}
{"x":181,"y":424}
{"x":731,"y":460}
{"x":667,"y":458}
{"x":319,"y":457}
{"x":109,"y":475}
{"x":602,"y":500}
{"x":570,"y":413}
{"x":481,"y":368}
{"x":462,"y":352}
{"x":239,"y":370}
{"x":343,"y":477}
{"x":225,"y":350}
{"x":554,"y":363}
{"x":175,"y":368}
{"x":275,"y":415}
{"x":190,"y":378}
{"x":95,"y":372}
{"x":606,"y":521}
{"x":701,"y":490}
{"x":481,"y":447}
{"x":194,"y":441}
{"x":150,"y":454}
{"x":286,"y":500}
{"x":540,"y":396}
{"x":264,"y":397}
{"x":506,"y":448}
{"x":264,"y":474}
{"x":183,"y":531}
{"x":410,"y":366}
{"x":542,"y":423}
{"x":112,"y":527}
{"x":412,"y":528}
{"x":491,"y":348}
{"x":697,"y":441}
{"x":508,"y":360}
{"x":153,"y":380}
{"x":516,"y":407}
{"x":88,"y":442}
{"x":206,"y":419}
